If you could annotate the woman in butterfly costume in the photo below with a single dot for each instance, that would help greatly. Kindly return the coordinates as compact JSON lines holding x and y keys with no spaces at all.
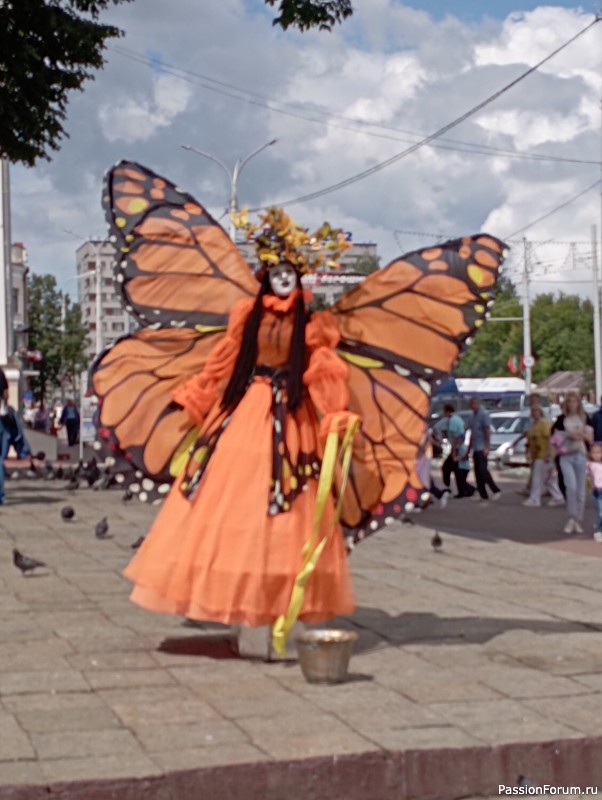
{"x":244,"y":408}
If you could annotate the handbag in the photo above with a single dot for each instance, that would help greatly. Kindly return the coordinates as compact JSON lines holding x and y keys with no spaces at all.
{"x":558,"y":442}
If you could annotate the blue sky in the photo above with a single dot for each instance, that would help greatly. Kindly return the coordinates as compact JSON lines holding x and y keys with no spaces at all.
{"x":354,"y":98}
{"x":498,"y":9}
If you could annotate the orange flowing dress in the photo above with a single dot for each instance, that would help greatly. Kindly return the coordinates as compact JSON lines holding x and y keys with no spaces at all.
{"x":227,"y":543}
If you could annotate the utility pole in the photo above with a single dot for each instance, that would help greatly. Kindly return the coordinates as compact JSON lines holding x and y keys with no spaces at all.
{"x":6,"y":294}
{"x":527,"y":355}
{"x":596,"y":302}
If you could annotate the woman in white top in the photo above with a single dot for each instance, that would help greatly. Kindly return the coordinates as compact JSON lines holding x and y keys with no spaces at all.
{"x":570,"y":440}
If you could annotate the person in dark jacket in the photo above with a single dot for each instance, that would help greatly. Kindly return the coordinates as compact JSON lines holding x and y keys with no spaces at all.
{"x":597,"y":424}
{"x":70,"y":419}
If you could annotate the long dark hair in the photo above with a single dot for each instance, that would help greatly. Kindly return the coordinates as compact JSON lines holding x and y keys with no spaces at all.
{"x":247,"y":357}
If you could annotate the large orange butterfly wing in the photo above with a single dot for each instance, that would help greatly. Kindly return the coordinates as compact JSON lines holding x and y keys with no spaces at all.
{"x":142,"y":434}
{"x":402,"y":328}
{"x":176,"y":264}
{"x":180,"y":275}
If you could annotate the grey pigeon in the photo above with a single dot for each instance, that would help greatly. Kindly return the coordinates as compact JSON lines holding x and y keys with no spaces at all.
{"x":102,"y":528}
{"x":436,"y":542}
{"x":127,"y":495}
{"x":104,"y":482}
{"x":60,"y":473}
{"x":73,"y":484}
{"x":25,"y":563}
{"x":67,"y":513}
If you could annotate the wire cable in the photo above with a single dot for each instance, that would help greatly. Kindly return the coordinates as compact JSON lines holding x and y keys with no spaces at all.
{"x":450,"y":125}
{"x":554,"y":210}
{"x":473,"y":148}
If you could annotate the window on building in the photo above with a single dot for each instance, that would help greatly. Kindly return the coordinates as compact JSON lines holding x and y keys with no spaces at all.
{"x":15,"y":294}
{"x":118,"y":326}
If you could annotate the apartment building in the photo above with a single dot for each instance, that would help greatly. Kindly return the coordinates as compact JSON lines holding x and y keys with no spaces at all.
{"x":99,"y":297}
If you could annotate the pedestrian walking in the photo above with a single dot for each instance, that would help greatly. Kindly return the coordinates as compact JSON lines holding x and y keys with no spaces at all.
{"x":4,"y":434}
{"x":423,"y":470}
{"x":572,"y":434}
{"x":70,"y":419}
{"x":465,"y":489}
{"x":453,"y":428}
{"x":594,"y":470}
{"x":597,"y":424}
{"x":534,"y":401}
{"x":480,"y":433}
{"x":543,"y":474}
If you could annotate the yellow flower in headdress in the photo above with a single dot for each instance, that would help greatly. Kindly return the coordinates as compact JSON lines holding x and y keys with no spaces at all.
{"x":280,"y":240}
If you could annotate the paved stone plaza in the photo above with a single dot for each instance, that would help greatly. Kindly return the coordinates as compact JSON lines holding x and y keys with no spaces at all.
{"x":474,"y":666}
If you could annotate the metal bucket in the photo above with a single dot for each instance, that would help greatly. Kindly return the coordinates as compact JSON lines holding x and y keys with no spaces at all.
{"x":324,"y":654}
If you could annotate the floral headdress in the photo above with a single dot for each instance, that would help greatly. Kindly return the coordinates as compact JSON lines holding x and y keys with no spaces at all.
{"x":280,"y":240}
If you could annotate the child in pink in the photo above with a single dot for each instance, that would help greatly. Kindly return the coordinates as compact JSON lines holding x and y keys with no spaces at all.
{"x":594,"y":469}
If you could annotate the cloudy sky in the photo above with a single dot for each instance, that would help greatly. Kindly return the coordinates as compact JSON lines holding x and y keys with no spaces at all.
{"x":219,"y":76}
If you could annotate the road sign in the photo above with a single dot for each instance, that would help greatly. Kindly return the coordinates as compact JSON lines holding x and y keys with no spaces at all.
{"x":529,"y":361}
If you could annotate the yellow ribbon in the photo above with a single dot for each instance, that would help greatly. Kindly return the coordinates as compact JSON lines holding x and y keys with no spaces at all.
{"x":312,"y":550}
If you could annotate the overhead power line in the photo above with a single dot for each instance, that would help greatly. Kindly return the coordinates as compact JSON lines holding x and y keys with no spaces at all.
{"x":554,"y":210}
{"x":450,"y":126}
{"x":300,"y":111}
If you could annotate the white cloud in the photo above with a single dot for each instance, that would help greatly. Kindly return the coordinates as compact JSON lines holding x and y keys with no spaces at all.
{"x":400,"y":71}
{"x":529,"y":129}
{"x":131,"y":119}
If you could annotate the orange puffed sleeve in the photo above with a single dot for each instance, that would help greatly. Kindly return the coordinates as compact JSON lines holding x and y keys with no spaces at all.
{"x":200,"y":393}
{"x":326,"y":374}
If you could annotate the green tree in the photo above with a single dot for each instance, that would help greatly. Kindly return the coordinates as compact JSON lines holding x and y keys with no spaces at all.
{"x":74,"y":342}
{"x":496,"y":341}
{"x":61,"y":338}
{"x":47,"y":49}
{"x":305,"y":14}
{"x":367,"y":264}
{"x":45,"y":336}
{"x":561,"y":335}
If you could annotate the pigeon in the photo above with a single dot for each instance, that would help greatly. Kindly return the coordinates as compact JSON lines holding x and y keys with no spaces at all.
{"x":102,"y":528}
{"x":67,"y":513}
{"x":436,"y":542}
{"x":60,"y":473}
{"x":135,"y":545}
{"x":25,"y":563}
{"x":104,"y":482}
{"x":73,"y":484}
{"x":90,"y":472}
{"x":127,"y":495}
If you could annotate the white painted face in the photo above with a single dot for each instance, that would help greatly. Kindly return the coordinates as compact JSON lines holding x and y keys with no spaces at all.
{"x":283,"y":280}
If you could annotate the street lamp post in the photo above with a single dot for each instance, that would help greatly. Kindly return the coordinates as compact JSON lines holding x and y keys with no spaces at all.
{"x":233,"y":177}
